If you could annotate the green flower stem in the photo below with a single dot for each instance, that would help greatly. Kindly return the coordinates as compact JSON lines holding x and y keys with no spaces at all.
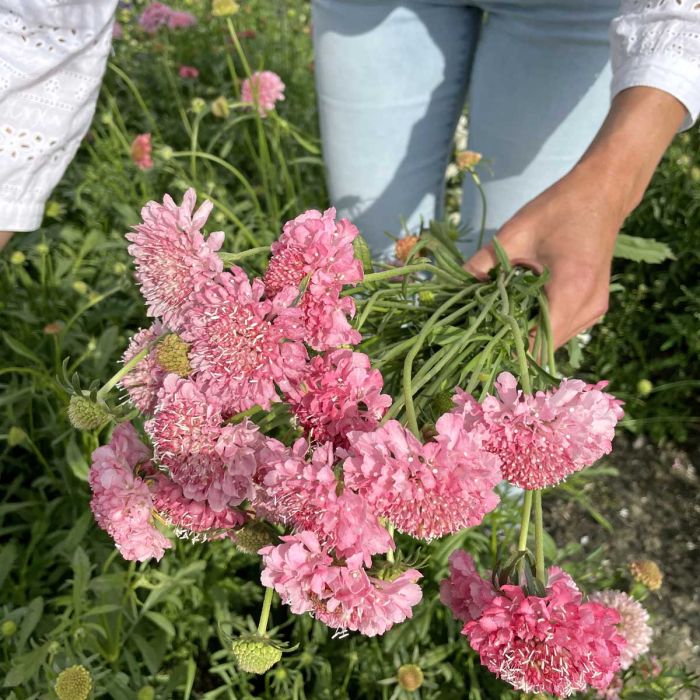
{"x":482,"y":228}
{"x":483,"y":356}
{"x":431,"y":323}
{"x":128,"y":366}
{"x":405,"y":270}
{"x":265,"y":612}
{"x":539,"y":539}
{"x":390,"y":554}
{"x":517,"y":336}
{"x":232,"y":258}
{"x":547,"y":322}
{"x":525,"y":521}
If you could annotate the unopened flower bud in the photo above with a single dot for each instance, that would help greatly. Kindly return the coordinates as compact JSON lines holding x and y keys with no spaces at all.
{"x":166,"y":153}
{"x":466,"y":160}
{"x":8,"y":628}
{"x":16,"y":436}
{"x":647,"y":572}
{"x":254,"y":535}
{"x":410,"y":677}
{"x":427,"y":297}
{"x":255,"y":654}
{"x":80,"y":287}
{"x":171,"y":354}
{"x":695,"y":174}
{"x":644,"y":387}
{"x":198,"y":105}
{"x":220,"y":108}
{"x":442,"y":402}
{"x":404,"y":246}
{"x":74,"y":683}
{"x":42,"y":249}
{"x":18,"y":257}
{"x":224,"y":8}
{"x":85,"y":414}
{"x":119,"y":268}
{"x":146,"y":693}
{"x":54,"y":209}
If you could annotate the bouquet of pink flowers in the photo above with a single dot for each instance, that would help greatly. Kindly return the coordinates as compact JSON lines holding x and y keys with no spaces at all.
{"x":263,"y":422}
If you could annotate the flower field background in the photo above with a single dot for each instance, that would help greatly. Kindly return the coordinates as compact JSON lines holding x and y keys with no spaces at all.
{"x":164,"y":630}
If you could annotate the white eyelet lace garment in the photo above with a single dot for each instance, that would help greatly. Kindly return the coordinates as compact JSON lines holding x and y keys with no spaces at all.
{"x":53,"y":55}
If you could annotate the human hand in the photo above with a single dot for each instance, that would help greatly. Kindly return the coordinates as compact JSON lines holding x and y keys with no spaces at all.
{"x":570,"y":228}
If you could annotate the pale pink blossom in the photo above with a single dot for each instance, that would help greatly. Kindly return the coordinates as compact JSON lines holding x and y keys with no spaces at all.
{"x":195,"y":520}
{"x":464,"y":591}
{"x":554,"y":644}
{"x":141,"y":150}
{"x":263,"y":89}
{"x":121,"y":501}
{"x":209,"y":460}
{"x":543,"y":438}
{"x":145,"y":379}
{"x":344,"y":598}
{"x":633,"y":626}
{"x":158,"y":15}
{"x":117,"y":31}
{"x":317,"y":250}
{"x":300,"y":488}
{"x":425,"y":490}
{"x":241,"y":343}
{"x":172,"y":257}
{"x":338,"y":392}
{"x":186,"y":72}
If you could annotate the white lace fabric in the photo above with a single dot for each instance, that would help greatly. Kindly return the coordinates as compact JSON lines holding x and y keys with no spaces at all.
{"x":52,"y":58}
{"x":53,"y":55}
{"x":656,"y":43}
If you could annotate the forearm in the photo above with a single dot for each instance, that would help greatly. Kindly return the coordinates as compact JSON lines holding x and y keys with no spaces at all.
{"x":640,"y":125}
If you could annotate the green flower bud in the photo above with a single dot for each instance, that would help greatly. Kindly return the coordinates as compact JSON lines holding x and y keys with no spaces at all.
{"x":80,"y":287}
{"x":198,"y":105}
{"x":8,"y":628}
{"x":146,"y":693}
{"x":42,"y":249}
{"x":426,"y":297}
{"x":18,"y":257}
{"x":166,"y":153}
{"x":74,"y":683}
{"x":119,"y":268}
{"x":54,"y":209}
{"x":85,"y":414}
{"x":220,"y":108}
{"x":16,"y":436}
{"x":254,"y":535}
{"x":171,"y":354}
{"x":255,"y":654}
{"x":644,"y":387}
{"x":410,"y":677}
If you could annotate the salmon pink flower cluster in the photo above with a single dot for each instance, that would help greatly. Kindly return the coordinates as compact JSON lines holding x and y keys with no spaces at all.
{"x":256,"y":406}
{"x":555,"y":643}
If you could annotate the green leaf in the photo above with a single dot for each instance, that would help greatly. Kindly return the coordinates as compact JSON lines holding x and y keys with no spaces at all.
{"x":26,"y":666}
{"x":362,"y":253}
{"x":639,"y":249}
{"x":21,"y":349}
{"x":31,"y":618}
{"x":81,"y":577}
{"x":8,"y":554}
{"x":150,"y":654}
{"x":161,"y":621}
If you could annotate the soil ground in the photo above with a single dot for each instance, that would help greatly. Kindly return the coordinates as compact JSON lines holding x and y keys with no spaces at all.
{"x":653,"y":505}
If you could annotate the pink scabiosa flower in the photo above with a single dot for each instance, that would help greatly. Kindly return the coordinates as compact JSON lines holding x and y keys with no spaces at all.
{"x":117,"y":31}
{"x":158,"y":15}
{"x":464,"y":591}
{"x":172,"y":257}
{"x":308,"y":580}
{"x":186,"y":72}
{"x":181,"y":20}
{"x":210,"y":461}
{"x":241,"y":343}
{"x":425,"y":490}
{"x":191,"y":519}
{"x":555,"y":644}
{"x":121,"y":501}
{"x":339,"y":392}
{"x":263,"y":89}
{"x":145,"y":379}
{"x":301,"y":489}
{"x":315,"y":247}
{"x":633,"y":626}
{"x":543,"y":438}
{"x":141,"y":150}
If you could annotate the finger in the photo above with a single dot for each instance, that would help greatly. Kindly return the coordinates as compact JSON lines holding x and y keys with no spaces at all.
{"x":481,"y":262}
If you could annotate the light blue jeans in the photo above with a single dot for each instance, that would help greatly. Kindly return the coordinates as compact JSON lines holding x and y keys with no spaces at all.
{"x":392,"y":78}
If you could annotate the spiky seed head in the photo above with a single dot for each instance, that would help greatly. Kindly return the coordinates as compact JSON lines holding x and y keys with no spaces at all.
{"x":171,"y":354}
{"x":410,"y":677}
{"x":73,"y":683}
{"x":86,"y":414}
{"x":254,"y":535}
{"x":647,"y":572}
{"x":255,"y":654}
